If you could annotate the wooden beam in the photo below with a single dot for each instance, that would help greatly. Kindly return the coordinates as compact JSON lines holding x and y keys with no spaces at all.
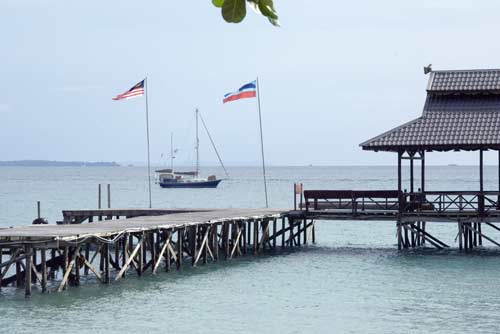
{"x":64,"y":281}
{"x":134,"y":252}
{"x":160,"y":255}
{"x":484,"y":236}
{"x":235,"y":246}
{"x":203,"y":244}
{"x":91,"y":267}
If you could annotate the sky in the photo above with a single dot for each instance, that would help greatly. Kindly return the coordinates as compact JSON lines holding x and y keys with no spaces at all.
{"x":335,"y":74}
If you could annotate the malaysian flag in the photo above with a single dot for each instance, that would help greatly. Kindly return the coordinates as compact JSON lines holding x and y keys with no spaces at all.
{"x":137,"y":90}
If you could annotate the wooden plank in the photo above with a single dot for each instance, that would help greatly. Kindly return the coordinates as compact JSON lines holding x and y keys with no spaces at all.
{"x":64,"y":281}
{"x":203,"y":244}
{"x":91,"y":267}
{"x":238,"y":236}
{"x":134,"y":253}
{"x":160,"y":256}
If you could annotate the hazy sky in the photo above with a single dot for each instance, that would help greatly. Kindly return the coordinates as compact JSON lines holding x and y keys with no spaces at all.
{"x":335,"y":74}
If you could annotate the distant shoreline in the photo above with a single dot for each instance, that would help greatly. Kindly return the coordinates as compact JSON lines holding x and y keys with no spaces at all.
{"x":49,"y":163}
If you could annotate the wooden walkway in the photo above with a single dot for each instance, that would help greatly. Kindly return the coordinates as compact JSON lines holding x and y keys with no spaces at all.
{"x":108,"y":245}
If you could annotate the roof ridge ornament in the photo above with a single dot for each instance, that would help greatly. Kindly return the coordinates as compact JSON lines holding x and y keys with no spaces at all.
{"x":427,"y":69}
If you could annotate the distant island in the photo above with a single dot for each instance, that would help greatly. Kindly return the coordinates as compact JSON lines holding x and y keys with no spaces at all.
{"x":48,"y":163}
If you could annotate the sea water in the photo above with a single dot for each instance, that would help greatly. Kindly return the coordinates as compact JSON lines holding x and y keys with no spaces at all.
{"x":353,"y":280}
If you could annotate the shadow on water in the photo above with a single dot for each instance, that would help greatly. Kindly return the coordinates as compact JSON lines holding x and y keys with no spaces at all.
{"x":92,"y":291}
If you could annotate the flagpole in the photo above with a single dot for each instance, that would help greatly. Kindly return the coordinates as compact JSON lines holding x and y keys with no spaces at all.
{"x":147,"y":136}
{"x":262,"y":143}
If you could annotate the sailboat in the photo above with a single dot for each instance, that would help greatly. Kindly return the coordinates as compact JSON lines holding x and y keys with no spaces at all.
{"x":168,"y":178}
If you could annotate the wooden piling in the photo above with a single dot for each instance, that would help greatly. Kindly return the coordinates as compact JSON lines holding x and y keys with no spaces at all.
{"x":43,"y":255}
{"x":1,"y":275}
{"x":400,"y":235}
{"x":141,"y":255}
{"x":106,"y":264}
{"x":480,"y":234}
{"x":27,"y":272}
{"x":460,"y":235}
{"x":109,"y":196}
{"x":168,"y":257}
{"x":180,"y":237}
{"x":283,"y":233}
{"x":255,"y":236}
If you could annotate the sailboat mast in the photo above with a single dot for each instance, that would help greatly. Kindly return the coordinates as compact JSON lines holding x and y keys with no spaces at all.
{"x":197,"y":146}
{"x":172,"y":151}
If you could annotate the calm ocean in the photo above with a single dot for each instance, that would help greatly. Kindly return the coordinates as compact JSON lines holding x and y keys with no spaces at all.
{"x":352,"y":281}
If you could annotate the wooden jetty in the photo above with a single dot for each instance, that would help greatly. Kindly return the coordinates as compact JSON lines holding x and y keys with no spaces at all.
{"x":461,"y":113}
{"x":110,"y":243}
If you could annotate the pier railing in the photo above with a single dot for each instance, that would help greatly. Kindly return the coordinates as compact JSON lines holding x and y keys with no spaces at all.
{"x":449,"y":202}
{"x":352,"y":201}
{"x":434,"y":203}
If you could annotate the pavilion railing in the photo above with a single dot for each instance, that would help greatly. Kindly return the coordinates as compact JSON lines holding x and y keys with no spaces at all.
{"x":356,"y":202}
{"x":449,"y":202}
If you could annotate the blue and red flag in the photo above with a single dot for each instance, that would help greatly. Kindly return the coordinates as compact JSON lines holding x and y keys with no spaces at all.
{"x":246,"y":91}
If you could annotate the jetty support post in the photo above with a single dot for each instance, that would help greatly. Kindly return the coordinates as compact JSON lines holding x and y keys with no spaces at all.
{"x":28,"y":250}
{"x":43,"y":256}
{"x":460,"y":235}
{"x":109,"y":196}
{"x":180,"y":237}
{"x":399,"y":234}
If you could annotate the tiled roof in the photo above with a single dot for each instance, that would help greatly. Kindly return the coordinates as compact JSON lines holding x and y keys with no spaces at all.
{"x":442,"y":130}
{"x":464,"y":81}
{"x":451,"y":121}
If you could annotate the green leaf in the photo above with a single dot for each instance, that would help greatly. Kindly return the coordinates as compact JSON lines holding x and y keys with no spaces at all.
{"x":274,"y":22}
{"x":218,"y":3}
{"x":267,"y":9}
{"x":234,"y":11}
{"x":254,"y":4}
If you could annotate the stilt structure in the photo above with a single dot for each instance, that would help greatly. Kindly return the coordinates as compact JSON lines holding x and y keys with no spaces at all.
{"x":461,"y":113}
{"x":147,"y":243}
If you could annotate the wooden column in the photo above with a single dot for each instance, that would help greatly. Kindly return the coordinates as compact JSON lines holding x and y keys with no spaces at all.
{"x":313,"y":232}
{"x":244,"y":236}
{"x":168,"y":264}
{"x":215,"y":249}
{"x":77,"y":266}
{"x":140,"y":262}
{"x":255,"y":236}
{"x":400,"y":182}
{"x":28,"y":250}
{"x":411,"y":172}
{"x":1,"y":260}
{"x":226,"y":240}
{"x":106,"y":264}
{"x":283,"y":232}
{"x":480,"y":236}
{"x":43,"y":256}
{"x":400,"y":235}
{"x":460,"y":235}
{"x":422,"y":171}
{"x":481,"y":184}
{"x":274,"y":233}
{"x":180,"y":237}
